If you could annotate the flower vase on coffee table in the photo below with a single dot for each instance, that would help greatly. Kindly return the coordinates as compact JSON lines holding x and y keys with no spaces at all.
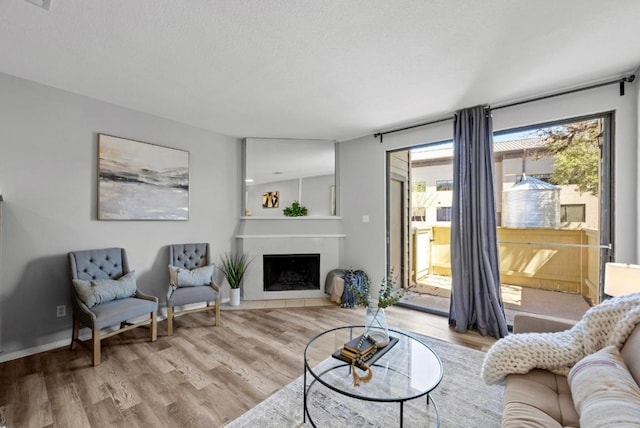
{"x":376,"y":326}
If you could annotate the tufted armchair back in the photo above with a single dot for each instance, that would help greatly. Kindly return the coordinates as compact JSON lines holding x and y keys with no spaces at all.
{"x":107,"y":263}
{"x":189,"y":256}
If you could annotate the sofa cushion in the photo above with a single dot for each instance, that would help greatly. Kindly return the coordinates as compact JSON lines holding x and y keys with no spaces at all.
{"x":180,"y":277}
{"x":538,"y":399}
{"x":523,"y":415}
{"x":113,"y":312}
{"x":97,"y":291}
{"x":187,"y":295}
{"x":603,"y":390}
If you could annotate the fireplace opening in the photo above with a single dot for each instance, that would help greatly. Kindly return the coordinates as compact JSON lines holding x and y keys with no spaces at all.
{"x":291,"y":272}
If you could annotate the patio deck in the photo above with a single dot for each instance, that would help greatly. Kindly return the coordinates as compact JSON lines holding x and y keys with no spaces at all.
{"x":433,"y":292}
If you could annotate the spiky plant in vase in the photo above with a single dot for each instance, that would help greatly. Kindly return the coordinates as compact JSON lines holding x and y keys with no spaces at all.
{"x":234,"y":266}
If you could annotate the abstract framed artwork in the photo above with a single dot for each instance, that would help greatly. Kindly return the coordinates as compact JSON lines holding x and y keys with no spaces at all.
{"x":271,"y":199}
{"x":141,"y":181}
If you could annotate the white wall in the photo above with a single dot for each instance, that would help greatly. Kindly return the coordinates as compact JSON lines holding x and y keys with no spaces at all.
{"x":48,"y":176}
{"x":362,"y":176}
{"x":316,"y":194}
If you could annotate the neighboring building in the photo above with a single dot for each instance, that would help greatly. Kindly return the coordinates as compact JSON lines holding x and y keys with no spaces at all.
{"x":432,"y":173}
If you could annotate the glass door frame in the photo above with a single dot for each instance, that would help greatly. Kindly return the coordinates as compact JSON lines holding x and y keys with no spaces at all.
{"x":607,"y":188}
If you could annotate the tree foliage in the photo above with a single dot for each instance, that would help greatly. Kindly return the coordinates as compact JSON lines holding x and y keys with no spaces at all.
{"x":422,"y":196}
{"x":576,"y":151}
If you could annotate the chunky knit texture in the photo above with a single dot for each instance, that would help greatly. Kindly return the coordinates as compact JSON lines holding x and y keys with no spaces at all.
{"x":609,"y":323}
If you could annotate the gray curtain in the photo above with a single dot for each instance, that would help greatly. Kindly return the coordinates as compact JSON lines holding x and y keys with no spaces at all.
{"x":476,"y":303}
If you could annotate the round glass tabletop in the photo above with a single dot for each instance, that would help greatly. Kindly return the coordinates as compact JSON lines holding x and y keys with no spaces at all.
{"x":408,"y":369}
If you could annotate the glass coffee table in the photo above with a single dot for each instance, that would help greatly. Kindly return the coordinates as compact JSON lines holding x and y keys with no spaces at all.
{"x":407,"y":371}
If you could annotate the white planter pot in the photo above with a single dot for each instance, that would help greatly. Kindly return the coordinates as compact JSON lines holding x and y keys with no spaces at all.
{"x":235,"y":297}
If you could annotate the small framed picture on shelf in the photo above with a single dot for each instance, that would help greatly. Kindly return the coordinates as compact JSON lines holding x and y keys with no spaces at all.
{"x":271,"y":199}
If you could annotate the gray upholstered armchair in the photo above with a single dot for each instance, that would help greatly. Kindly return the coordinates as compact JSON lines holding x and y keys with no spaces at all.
{"x":191,"y":281}
{"x":105,"y":295}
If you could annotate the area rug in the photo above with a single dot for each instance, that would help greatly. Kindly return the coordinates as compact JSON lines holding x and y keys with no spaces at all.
{"x":462,"y":399}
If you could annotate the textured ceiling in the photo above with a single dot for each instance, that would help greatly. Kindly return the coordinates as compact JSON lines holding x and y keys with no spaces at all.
{"x":332,"y":69}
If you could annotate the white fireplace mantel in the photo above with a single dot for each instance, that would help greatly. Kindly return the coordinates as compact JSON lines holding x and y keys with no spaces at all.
{"x":289,"y":236}
{"x":259,"y":236}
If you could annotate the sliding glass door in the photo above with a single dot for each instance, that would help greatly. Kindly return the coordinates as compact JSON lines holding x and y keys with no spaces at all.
{"x":554,"y":198}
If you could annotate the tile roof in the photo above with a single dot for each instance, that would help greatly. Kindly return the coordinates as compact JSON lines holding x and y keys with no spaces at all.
{"x":446,"y":151}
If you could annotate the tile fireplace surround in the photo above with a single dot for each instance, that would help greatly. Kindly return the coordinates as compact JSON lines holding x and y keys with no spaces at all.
{"x":284,"y":235}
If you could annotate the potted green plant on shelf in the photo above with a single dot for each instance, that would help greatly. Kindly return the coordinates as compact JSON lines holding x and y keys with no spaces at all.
{"x":295,"y":210}
{"x":388,"y":295}
{"x":234,"y":266}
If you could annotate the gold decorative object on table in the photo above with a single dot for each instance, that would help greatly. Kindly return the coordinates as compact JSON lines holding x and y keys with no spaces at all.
{"x":361,"y":352}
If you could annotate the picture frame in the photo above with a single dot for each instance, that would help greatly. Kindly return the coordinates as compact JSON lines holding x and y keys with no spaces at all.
{"x":141,"y":181}
{"x":271,"y":199}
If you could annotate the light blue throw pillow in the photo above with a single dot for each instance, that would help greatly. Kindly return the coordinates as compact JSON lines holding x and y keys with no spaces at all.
{"x":180,"y":277}
{"x":97,"y":291}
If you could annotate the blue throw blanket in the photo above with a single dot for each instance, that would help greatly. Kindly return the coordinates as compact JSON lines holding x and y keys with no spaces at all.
{"x":353,"y":280}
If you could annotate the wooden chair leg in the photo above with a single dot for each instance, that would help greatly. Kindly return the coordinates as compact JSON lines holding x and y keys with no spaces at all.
{"x":95,"y":338}
{"x":154,"y":326}
{"x":217,"y":305}
{"x":169,"y":320}
{"x":76,"y":332}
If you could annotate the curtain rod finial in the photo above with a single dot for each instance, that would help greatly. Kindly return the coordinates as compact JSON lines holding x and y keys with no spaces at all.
{"x":626,"y":79}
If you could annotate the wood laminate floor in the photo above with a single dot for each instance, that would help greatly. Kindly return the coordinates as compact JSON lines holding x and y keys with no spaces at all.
{"x":202,"y":376}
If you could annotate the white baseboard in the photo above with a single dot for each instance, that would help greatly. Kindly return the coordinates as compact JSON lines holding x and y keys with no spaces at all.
{"x":83,"y":336}
{"x":37,"y":349}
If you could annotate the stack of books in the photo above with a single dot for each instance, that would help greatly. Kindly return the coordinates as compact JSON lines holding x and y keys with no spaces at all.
{"x":358,"y":348}
{"x":366,"y":349}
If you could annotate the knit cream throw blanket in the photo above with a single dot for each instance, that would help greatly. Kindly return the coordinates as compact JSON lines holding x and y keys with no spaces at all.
{"x":609,"y":323}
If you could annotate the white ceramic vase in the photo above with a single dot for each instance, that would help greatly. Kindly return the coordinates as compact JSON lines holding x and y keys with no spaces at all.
{"x":235,"y":297}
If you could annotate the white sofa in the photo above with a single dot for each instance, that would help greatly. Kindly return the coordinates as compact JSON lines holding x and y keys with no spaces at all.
{"x":541,"y":398}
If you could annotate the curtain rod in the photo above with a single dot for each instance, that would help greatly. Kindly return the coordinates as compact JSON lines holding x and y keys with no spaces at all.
{"x":620,"y":81}
{"x":381,"y":134}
